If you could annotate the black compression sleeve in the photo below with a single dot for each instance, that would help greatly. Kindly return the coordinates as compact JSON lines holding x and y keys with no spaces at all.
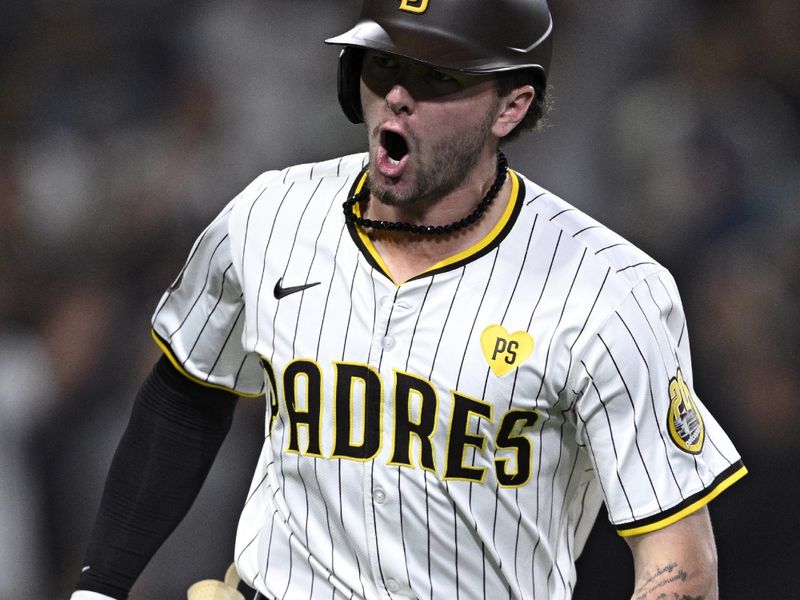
{"x":175,"y":430}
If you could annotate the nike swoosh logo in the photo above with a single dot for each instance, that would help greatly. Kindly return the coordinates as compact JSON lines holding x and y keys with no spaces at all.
{"x":282,"y":292}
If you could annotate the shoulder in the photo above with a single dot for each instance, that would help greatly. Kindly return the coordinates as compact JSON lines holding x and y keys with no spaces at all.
{"x":343,"y":166}
{"x":601,"y":247}
{"x":280,"y":203}
{"x":271,"y":187}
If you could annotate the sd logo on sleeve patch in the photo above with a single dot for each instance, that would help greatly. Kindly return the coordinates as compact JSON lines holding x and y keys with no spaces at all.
{"x":684,"y":421}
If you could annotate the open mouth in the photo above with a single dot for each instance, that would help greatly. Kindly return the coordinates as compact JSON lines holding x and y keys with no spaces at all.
{"x":394,"y":144}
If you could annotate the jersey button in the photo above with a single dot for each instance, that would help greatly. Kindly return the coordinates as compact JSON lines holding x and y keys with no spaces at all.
{"x":388,"y":342}
{"x":379,"y":495}
{"x":392,"y":585}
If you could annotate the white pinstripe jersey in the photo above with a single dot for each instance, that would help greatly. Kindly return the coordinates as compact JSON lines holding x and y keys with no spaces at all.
{"x":454,"y":435}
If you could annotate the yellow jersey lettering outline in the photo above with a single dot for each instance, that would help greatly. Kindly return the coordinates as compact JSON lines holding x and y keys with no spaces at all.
{"x":511,"y":437}
{"x":356,"y":431}
{"x":304,"y":405}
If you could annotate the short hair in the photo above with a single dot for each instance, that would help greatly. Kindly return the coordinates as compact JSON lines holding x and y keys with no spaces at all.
{"x":536,"y":116}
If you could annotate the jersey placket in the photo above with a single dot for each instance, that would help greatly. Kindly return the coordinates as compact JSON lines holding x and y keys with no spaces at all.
{"x":391,"y":337}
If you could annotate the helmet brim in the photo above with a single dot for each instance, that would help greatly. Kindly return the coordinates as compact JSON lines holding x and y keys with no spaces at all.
{"x":436,"y":48}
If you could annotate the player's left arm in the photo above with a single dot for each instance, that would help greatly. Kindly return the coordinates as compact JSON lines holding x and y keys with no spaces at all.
{"x":678,"y":562}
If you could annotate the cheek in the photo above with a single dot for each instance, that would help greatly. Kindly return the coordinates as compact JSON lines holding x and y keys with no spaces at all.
{"x":477,"y":106}
{"x":469,"y":117}
{"x":370,"y":102}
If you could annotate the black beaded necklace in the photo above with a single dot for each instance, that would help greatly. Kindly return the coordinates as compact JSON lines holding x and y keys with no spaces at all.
{"x":363,"y":195}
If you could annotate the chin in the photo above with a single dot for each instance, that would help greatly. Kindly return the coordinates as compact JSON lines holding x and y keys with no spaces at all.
{"x":391,"y":195}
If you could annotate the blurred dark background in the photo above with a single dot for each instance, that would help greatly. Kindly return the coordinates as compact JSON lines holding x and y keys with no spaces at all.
{"x":126,"y":125}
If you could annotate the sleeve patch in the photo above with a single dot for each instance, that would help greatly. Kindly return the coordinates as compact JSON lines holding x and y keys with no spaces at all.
{"x":684,"y":421}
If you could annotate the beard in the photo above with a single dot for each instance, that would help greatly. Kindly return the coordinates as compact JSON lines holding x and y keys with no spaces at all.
{"x":450,"y":162}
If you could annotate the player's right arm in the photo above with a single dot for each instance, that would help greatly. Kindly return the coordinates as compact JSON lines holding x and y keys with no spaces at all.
{"x":175,"y":430}
{"x":180,"y":418}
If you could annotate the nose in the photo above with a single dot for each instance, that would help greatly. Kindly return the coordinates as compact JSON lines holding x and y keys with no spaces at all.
{"x":399,"y":99}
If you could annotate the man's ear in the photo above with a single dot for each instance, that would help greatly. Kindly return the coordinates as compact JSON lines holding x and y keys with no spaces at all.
{"x":512,"y":109}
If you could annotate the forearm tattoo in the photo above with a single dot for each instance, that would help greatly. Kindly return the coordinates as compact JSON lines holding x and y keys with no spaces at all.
{"x":653,"y":584}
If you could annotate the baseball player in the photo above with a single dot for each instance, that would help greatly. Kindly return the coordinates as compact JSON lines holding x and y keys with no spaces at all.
{"x":460,"y":366}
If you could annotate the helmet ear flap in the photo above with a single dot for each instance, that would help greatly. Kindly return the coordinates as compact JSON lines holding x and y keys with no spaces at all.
{"x":350,"y":83}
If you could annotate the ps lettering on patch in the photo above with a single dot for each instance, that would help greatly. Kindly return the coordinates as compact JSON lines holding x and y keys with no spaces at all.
{"x":505,"y":351}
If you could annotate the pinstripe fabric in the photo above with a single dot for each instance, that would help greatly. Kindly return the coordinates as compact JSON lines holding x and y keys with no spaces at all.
{"x":399,"y":460}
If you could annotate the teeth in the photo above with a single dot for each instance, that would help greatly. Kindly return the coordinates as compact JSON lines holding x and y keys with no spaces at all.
{"x":393,"y":162}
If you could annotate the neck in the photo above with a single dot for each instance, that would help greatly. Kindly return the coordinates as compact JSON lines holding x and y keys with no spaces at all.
{"x":408,"y":253}
{"x":452,"y":211}
{"x":415,"y":225}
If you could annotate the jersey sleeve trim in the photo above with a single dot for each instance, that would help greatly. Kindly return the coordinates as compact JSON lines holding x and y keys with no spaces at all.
{"x":693,"y":503}
{"x":167,"y":350}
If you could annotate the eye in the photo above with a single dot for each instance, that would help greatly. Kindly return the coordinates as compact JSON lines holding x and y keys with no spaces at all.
{"x":384,"y":62}
{"x":440,"y":77}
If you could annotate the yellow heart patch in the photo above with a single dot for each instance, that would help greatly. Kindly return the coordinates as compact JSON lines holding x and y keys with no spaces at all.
{"x":505,"y":351}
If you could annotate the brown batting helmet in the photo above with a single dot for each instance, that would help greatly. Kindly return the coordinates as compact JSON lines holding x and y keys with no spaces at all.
{"x":471,"y":36}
